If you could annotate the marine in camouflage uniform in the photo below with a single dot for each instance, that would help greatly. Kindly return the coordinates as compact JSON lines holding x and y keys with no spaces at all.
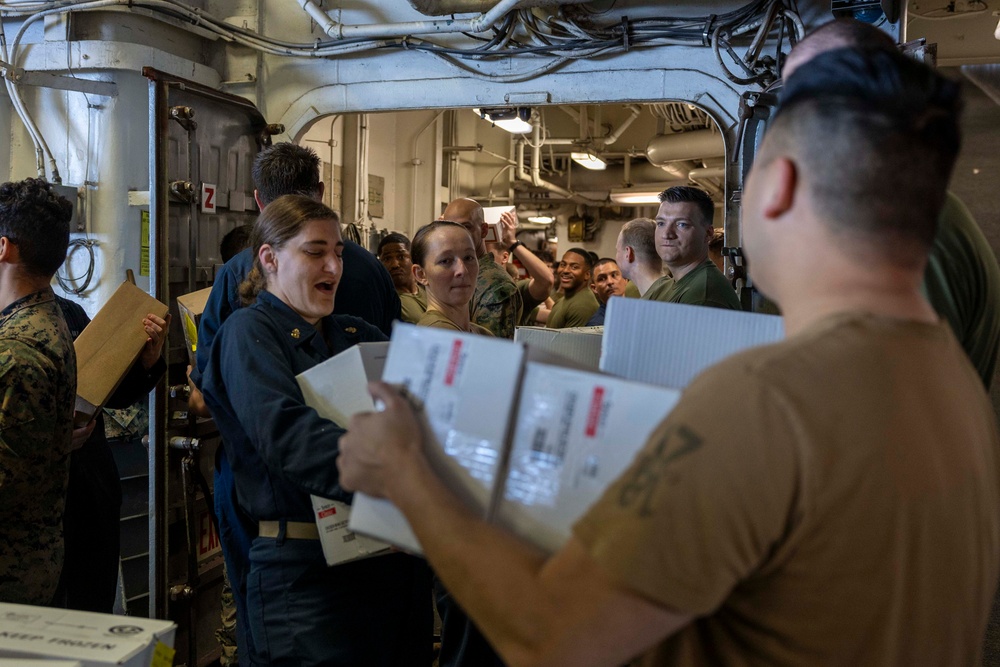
{"x":496,"y":304}
{"x":38,"y":381}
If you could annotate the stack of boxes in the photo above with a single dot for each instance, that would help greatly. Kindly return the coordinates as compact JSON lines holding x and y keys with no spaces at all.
{"x":524,"y":436}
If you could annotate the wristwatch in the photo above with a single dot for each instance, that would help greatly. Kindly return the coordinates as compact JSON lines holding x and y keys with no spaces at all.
{"x":514,"y":246}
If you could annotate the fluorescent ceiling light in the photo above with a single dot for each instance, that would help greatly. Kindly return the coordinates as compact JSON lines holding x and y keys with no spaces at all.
{"x":541,"y":219}
{"x":513,"y":119}
{"x":648,"y":193}
{"x":589,"y":160}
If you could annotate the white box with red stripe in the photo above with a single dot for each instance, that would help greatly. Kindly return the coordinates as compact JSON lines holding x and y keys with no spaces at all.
{"x":576,"y":431}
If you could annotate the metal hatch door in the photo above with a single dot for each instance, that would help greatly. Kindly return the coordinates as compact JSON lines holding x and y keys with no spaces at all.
{"x":202,"y":145}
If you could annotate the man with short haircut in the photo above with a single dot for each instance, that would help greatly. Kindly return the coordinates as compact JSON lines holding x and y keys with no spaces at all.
{"x":578,"y":304}
{"x":683,"y":234}
{"x":962,"y":280}
{"x":607,"y":282}
{"x":365,"y":288}
{"x":636,"y":256}
{"x":394,"y":253}
{"x":496,"y":305}
{"x":37,"y":393}
{"x":844,"y":507}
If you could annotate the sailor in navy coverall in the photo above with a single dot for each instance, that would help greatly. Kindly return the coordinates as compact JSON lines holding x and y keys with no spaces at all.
{"x":301,"y":612}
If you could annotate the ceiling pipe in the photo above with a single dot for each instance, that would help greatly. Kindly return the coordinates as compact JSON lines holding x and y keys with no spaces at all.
{"x":575,"y":115}
{"x":679,"y":169}
{"x":617,"y":133}
{"x":705,"y":179}
{"x":416,"y":162}
{"x":639,"y":172}
{"x":478,"y":24}
{"x":707,"y":172}
{"x":534,"y":177}
{"x":445,"y":7}
{"x":695,"y":145}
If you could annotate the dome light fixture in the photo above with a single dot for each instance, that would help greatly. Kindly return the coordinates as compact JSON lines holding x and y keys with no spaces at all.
{"x":541,"y":219}
{"x":589,"y":160}
{"x":513,"y":119}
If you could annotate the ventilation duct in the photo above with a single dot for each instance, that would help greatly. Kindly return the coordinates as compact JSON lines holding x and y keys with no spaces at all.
{"x":445,"y":7}
{"x":614,"y":176}
{"x":695,"y":145}
{"x":680,"y":168}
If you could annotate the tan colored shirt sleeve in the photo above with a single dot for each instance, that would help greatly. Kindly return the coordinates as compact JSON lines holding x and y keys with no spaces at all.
{"x":706,"y":501}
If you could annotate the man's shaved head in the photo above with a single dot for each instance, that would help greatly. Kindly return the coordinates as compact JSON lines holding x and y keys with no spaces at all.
{"x":875,"y":135}
{"x":468,"y":213}
{"x":463,"y":209}
{"x":838,"y":34}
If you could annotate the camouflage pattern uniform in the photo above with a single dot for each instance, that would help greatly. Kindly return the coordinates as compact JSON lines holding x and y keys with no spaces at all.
{"x":226,"y":635}
{"x":496,"y":304}
{"x":37,"y":397}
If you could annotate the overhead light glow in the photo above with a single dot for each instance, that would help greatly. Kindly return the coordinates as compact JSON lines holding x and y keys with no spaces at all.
{"x":513,"y":119}
{"x":589,"y":160}
{"x":647,"y":193}
{"x":541,"y":219}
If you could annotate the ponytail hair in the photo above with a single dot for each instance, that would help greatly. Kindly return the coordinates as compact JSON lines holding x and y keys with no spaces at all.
{"x":278,"y":223}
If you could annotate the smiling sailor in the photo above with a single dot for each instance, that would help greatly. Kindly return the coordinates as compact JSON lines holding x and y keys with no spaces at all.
{"x":301,"y":612}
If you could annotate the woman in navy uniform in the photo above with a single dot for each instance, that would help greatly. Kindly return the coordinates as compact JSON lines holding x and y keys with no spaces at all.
{"x":368,"y":612}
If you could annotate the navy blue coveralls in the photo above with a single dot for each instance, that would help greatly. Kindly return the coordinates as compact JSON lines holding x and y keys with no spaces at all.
{"x":365,"y":291}
{"x":369,"y":612}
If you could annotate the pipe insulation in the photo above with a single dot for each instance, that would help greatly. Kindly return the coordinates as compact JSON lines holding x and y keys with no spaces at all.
{"x":695,"y":145}
{"x":478,"y":24}
{"x":446,"y":7}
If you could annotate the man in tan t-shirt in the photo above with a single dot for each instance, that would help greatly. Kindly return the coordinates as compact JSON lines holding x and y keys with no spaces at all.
{"x":828,"y":500}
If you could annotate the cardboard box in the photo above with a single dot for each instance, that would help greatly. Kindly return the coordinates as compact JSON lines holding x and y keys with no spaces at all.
{"x":191,"y":306}
{"x":337,"y":389}
{"x":536,"y":464}
{"x":107,"y":348}
{"x":576,"y":431}
{"x":581,"y":344}
{"x":491,"y":216}
{"x":466,"y":384}
{"x":668,"y":344}
{"x":91,"y":639}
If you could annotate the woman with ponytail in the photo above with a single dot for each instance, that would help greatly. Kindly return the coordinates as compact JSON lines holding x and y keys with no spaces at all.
{"x":301,"y":612}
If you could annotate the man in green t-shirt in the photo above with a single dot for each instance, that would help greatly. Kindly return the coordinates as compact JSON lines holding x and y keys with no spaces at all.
{"x":683,"y":233}
{"x":579,"y":304}
{"x":394,"y":253}
{"x":636,"y":256}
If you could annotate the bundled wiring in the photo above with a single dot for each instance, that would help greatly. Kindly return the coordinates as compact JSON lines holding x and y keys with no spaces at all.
{"x":550,"y":42}
{"x":561,"y":37}
{"x":73,"y":284}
